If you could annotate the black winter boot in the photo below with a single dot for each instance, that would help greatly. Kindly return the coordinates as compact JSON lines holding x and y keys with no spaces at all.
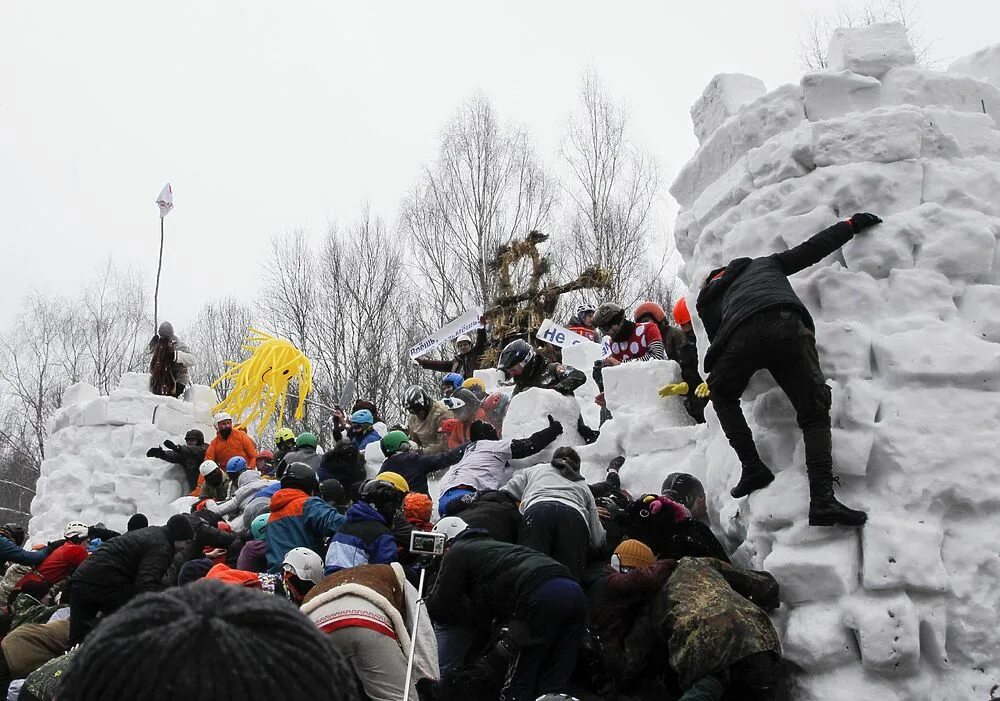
{"x":824,"y":509}
{"x":588,"y":434}
{"x":755,"y":476}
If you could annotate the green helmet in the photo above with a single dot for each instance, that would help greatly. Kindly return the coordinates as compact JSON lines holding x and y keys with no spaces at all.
{"x":393,"y":442}
{"x":258,"y":526}
{"x":306,"y":439}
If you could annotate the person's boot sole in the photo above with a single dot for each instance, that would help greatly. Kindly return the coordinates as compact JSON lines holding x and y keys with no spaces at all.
{"x":759,"y":482}
{"x":837,"y":521}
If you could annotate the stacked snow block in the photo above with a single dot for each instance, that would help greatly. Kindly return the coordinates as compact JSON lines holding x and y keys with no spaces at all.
{"x":96,"y":469}
{"x":908,"y":327}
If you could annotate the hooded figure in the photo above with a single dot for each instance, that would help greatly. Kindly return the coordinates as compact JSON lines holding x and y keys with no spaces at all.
{"x":560,"y":515}
{"x":169,"y":363}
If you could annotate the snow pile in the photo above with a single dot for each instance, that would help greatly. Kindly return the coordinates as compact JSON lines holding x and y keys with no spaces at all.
{"x":95,"y":466}
{"x":908,"y":327}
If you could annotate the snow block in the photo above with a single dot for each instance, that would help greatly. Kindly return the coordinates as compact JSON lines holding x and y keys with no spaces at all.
{"x":980,"y":308}
{"x":134,"y":382}
{"x":787,"y":155}
{"x":870,"y":50}
{"x":102,"y":483}
{"x":170,"y":418}
{"x":827,"y":95}
{"x":93,"y":413}
{"x":723,"y":194}
{"x":775,"y":113}
{"x":721,"y":99}
{"x":773,"y":410}
{"x":971,"y":183}
{"x":913,"y":85}
{"x":880,"y":136}
{"x":852,"y":450}
{"x":79,"y":392}
{"x":527,"y":414}
{"x":782,"y":503}
{"x":823,"y":570}
{"x":146,"y":436}
{"x":888,"y":632}
{"x":938,"y":355}
{"x":902,"y":553}
{"x":920,"y":294}
{"x":136,"y":487}
{"x":878,"y":252}
{"x":844,"y":349}
{"x":984,"y":64}
{"x":631,"y":389}
{"x":686,"y":233}
{"x":847,"y":296}
{"x":951,"y":134}
{"x":956,"y":243}
{"x":201,"y":394}
{"x":816,"y":637}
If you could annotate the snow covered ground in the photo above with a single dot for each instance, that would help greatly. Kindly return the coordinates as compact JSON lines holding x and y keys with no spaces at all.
{"x":908,"y":325}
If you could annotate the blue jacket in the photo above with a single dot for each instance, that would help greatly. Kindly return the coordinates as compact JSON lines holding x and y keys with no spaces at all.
{"x":365,"y":539}
{"x":366,"y":440}
{"x":298,"y":520}
{"x":414,"y":466}
{"x":12,"y":552}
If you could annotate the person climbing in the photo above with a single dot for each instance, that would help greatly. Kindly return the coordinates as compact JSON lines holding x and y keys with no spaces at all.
{"x":366,"y":538}
{"x":403,"y":458}
{"x":284,"y":442}
{"x":688,"y":491}
{"x":485,"y":463}
{"x":424,"y":420}
{"x":61,"y":562}
{"x":669,"y":529}
{"x":170,"y":362}
{"x":131,"y":564}
{"x":560,"y":515}
{"x":467,"y":356}
{"x":298,"y":517}
{"x":450,"y":383}
{"x":629,"y":341}
{"x":189,"y":456}
{"x":361,"y":430}
{"x":583,"y":322}
{"x":214,"y":484}
{"x":755,"y":321}
{"x":229,"y":442}
{"x":305,"y":451}
{"x":519,"y":361}
{"x":680,"y":346}
{"x":465,"y":407}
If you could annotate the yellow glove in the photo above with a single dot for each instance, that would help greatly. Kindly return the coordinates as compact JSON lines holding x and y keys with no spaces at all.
{"x":680,"y":388}
{"x":701,"y":391}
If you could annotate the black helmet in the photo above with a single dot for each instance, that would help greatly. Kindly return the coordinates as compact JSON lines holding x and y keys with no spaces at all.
{"x":196,"y":435}
{"x":299,"y":475}
{"x":332,"y":492}
{"x":13,"y":532}
{"x":467,"y":398}
{"x":416,"y":397}
{"x":518,"y":352}
{"x":682,"y":488}
{"x":483,"y":431}
{"x":607,"y":315}
{"x":383,"y":496}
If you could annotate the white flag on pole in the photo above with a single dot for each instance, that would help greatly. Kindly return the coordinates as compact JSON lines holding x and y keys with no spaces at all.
{"x":166,"y":200}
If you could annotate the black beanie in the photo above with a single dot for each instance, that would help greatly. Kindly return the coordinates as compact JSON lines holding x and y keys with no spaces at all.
{"x":567,"y":461}
{"x":178,"y":528}
{"x":482,"y":431}
{"x":136,"y":522}
{"x":155,"y":648}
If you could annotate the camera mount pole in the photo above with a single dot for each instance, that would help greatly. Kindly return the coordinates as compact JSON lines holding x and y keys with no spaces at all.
{"x":413,"y":637}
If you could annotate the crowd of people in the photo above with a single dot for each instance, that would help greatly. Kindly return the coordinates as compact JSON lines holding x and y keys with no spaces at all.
{"x":295,"y":575}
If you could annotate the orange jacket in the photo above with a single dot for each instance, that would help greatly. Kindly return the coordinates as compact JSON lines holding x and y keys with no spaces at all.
{"x":221,"y":449}
{"x":456,"y":431}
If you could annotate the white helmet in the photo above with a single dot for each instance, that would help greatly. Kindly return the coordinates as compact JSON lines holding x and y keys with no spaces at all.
{"x":452,"y":403}
{"x":304,"y":564}
{"x":451,"y":526}
{"x":208,"y":467}
{"x":583,"y":309}
{"x":463,"y":338}
{"x":222,"y":416}
{"x":75,"y":529}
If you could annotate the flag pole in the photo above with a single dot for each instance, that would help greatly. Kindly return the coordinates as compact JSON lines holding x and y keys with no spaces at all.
{"x":159,"y":267}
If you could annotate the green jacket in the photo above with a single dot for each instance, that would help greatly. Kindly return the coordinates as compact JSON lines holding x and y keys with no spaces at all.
{"x":27,"y":609}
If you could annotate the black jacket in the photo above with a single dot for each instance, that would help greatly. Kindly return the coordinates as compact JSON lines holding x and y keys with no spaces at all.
{"x":493,"y":511}
{"x":748,"y":286}
{"x":481,"y":578}
{"x":135,"y":561}
{"x":465,"y":365}
{"x":564,"y":379}
{"x":344,"y":463}
{"x":190,"y":458}
{"x":205,"y":535}
{"x":415,"y":466}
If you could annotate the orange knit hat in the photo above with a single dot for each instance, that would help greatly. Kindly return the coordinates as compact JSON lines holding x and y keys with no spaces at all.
{"x":634,"y":553}
{"x":417,"y":506}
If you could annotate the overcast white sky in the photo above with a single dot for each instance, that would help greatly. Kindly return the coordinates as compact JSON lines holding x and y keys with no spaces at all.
{"x":272,"y":116}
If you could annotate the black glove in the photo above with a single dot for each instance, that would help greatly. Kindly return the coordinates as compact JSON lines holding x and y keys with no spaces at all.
{"x":171,"y":445}
{"x":156,"y":452}
{"x":863,"y":220}
{"x":53,"y":544}
{"x":555,"y":425}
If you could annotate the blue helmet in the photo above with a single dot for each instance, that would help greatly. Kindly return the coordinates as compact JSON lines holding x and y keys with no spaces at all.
{"x":453,"y":379}
{"x":362,"y":416}
{"x":236,"y":464}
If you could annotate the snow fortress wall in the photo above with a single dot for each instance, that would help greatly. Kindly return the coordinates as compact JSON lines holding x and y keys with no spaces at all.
{"x":95,"y":466}
{"x":908,"y":327}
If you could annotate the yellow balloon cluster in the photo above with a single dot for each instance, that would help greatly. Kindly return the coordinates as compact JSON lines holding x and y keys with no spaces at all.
{"x":260,"y":383}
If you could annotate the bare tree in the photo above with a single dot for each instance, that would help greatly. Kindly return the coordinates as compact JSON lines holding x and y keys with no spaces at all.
{"x":819,"y":29}
{"x":485,"y":188}
{"x":612,"y":186}
{"x":113,"y":318}
{"x":290,"y":299}
{"x":216,"y":336}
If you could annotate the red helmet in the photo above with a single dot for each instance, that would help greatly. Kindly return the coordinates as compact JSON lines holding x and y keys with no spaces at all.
{"x":651,"y":308}
{"x":681,"y":314}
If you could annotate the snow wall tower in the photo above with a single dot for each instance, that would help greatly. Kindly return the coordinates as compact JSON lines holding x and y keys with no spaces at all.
{"x":908,"y":328}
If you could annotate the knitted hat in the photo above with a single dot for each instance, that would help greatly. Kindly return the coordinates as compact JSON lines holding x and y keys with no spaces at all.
{"x":151,"y":648}
{"x":634,"y":553}
{"x":178,"y":528}
{"x":482,"y":431}
{"x":136,"y":522}
{"x":567,"y":461}
{"x":417,"y":506}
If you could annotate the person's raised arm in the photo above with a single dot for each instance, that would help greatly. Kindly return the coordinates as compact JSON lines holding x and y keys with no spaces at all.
{"x":820,"y":245}
{"x":537,"y":441}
